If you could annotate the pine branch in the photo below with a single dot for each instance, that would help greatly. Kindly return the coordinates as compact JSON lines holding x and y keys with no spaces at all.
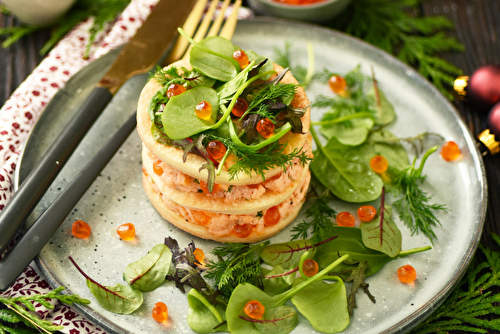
{"x":414,"y":40}
{"x":474,"y":299}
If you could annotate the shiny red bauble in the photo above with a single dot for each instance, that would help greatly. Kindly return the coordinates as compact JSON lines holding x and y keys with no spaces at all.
{"x":494,"y":120}
{"x":483,"y":88}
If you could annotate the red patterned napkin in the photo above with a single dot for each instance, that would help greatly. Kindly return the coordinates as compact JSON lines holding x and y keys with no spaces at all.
{"x":22,"y":110}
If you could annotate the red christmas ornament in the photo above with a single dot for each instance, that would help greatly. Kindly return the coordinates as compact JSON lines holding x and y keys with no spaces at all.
{"x":494,"y":120}
{"x":482,"y":88}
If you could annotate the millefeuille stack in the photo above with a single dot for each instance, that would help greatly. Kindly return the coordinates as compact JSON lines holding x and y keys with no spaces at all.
{"x":236,"y":210}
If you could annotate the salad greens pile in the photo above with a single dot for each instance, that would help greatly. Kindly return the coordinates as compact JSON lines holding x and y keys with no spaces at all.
{"x":218,"y":79}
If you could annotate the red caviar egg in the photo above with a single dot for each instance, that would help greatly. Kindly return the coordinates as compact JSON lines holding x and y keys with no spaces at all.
{"x":239,"y":108}
{"x":216,"y":149}
{"x":199,"y":254}
{"x":310,"y":267}
{"x":204,"y":187}
{"x":175,"y":89}
{"x":126,"y":231}
{"x":254,"y":309}
{"x":366,"y":213}
{"x":272,"y":216}
{"x":265,"y":127}
{"x":160,"y":312}
{"x":407,"y":274}
{"x":157,"y":168}
{"x":241,"y":57}
{"x":450,"y":151}
{"x":200,"y":217}
{"x":379,"y":164}
{"x":337,"y":84}
{"x":81,"y":229}
{"x":242,"y":230}
{"x":345,"y":218}
{"x":204,"y":110}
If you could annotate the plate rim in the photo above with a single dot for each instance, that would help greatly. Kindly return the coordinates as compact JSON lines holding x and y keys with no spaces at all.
{"x":419,"y":314}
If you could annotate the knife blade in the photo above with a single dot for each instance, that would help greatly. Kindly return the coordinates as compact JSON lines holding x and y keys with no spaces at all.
{"x":140,"y":55}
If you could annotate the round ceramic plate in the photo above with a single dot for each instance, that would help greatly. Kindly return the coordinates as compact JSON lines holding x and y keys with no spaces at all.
{"x":117,"y":196}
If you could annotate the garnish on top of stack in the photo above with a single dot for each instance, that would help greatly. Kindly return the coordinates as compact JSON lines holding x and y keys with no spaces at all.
{"x":225,"y":143}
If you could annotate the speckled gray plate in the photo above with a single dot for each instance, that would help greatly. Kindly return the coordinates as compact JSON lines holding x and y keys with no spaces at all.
{"x":117,"y":196}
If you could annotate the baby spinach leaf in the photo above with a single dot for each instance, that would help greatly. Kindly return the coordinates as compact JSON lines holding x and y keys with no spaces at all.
{"x":277,"y":279}
{"x":277,"y":320}
{"x":344,"y":172}
{"x":382,"y":233}
{"x":324,"y":305}
{"x":118,"y":298}
{"x":148,"y":273}
{"x":227,"y":90}
{"x":202,"y":316}
{"x":212,"y":56}
{"x":246,"y":292}
{"x":286,"y":254}
{"x":179,"y":116}
{"x":351,"y":132}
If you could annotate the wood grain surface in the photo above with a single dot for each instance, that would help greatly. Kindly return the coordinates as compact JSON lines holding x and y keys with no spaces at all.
{"x":477,"y":27}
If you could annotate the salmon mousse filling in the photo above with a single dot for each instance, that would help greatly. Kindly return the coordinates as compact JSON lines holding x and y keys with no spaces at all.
{"x":255,"y":226}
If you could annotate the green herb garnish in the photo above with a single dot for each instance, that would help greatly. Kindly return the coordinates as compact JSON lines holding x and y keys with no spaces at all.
{"x":21,"y":310}
{"x":412,"y":206}
{"x":321,"y":223}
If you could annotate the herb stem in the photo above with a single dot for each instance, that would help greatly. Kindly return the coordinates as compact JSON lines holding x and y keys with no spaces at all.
{"x":413,"y":251}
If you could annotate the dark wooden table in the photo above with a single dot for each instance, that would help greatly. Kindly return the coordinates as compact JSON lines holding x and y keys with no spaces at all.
{"x":477,"y":27}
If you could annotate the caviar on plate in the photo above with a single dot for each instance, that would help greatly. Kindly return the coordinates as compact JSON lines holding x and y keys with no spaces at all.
{"x":160,"y":312}
{"x":337,"y":84}
{"x":345,"y":218}
{"x":407,"y":274}
{"x":216,"y":149}
{"x":272,"y":216}
{"x":450,"y":151}
{"x":310,"y":267}
{"x":126,"y":231}
{"x":81,"y":229}
{"x":379,"y":164}
{"x":366,"y":213}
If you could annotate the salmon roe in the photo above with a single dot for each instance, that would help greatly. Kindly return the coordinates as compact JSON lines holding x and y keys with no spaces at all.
{"x":243,"y":230}
{"x":199,"y":254}
{"x":200,"y":217}
{"x":272,"y":216}
{"x":299,"y":2}
{"x":175,"y":89}
{"x":126,"y":231}
{"x":216,"y":149}
{"x":407,"y":274}
{"x":337,"y":84}
{"x":379,"y":164}
{"x":310,"y":267}
{"x":366,"y":213}
{"x":450,"y":151}
{"x":204,"y":187}
{"x":81,"y":229}
{"x":160,"y":312}
{"x":254,"y":309}
{"x":345,"y":218}
{"x":241,"y":57}
{"x":239,"y":108}
{"x":157,"y":168}
{"x":204,"y":110}
{"x":265,"y":127}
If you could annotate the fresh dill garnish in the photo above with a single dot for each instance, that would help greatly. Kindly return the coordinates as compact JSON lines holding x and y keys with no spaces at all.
{"x":321,"y":223}
{"x":414,"y":40}
{"x":102,"y":11}
{"x":272,"y":93}
{"x":282,"y":58}
{"x":238,"y":263}
{"x":163,"y":76}
{"x":412,"y":206}
{"x":21,"y":310}
{"x":475,"y":299}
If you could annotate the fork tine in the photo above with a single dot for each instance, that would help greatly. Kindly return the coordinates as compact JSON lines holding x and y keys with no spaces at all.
{"x":230,"y":25}
{"x":189,"y":27}
{"x":218,"y":21}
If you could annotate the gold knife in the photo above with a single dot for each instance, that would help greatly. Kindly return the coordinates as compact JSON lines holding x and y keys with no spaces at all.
{"x":140,"y":55}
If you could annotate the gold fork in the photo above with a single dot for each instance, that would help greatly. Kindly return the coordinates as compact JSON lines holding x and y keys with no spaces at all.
{"x":193,"y":26}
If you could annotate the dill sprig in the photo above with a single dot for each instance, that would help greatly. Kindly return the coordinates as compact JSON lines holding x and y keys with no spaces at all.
{"x":321,"y":223}
{"x":468,"y":306}
{"x":103,"y":11}
{"x":414,"y":40}
{"x":272,"y":93}
{"x":237,"y":263}
{"x":21,"y":309}
{"x":412,"y":206}
{"x":282,"y":58}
